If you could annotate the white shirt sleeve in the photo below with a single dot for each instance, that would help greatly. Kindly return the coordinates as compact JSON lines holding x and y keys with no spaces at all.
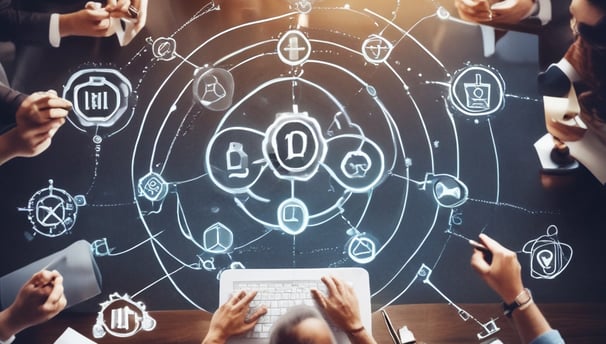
{"x":544,"y":11}
{"x":54,"y":35}
{"x":8,"y":341}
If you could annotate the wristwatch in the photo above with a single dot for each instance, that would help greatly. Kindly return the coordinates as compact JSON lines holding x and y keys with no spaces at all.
{"x":522,"y":301}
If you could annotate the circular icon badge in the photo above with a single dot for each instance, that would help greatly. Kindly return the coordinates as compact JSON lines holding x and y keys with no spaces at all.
{"x":477,"y":91}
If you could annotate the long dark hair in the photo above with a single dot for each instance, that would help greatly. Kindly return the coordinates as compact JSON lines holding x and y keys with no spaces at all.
{"x":593,"y":46}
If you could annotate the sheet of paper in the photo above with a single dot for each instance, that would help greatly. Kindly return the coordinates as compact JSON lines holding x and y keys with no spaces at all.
{"x":71,"y":336}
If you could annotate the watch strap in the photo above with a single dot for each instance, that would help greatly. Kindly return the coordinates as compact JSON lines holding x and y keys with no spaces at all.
{"x":518,"y":302}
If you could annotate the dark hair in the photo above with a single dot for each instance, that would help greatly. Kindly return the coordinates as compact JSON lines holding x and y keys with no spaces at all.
{"x":601,"y":4}
{"x":283,"y":331}
{"x":593,"y":45}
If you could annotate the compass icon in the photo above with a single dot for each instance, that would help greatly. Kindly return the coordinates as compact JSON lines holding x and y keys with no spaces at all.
{"x":52,"y":211}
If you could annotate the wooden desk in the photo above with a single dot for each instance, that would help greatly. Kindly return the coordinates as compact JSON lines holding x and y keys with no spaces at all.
{"x":431,"y":323}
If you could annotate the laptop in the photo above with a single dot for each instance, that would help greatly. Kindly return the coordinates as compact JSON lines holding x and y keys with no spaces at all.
{"x":281,"y":282}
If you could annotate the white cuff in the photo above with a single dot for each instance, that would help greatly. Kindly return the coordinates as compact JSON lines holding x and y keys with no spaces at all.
{"x":54,"y":35}
{"x":568,"y":70}
{"x":544,"y":14}
{"x":8,"y":341}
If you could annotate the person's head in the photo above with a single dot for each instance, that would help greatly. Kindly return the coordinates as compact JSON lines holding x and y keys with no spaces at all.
{"x":589,"y":23}
{"x":589,"y":17}
{"x":301,"y":325}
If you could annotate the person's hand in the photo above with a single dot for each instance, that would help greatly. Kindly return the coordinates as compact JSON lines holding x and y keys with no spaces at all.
{"x":480,"y":11}
{"x":38,"y":118}
{"x":518,"y":11}
{"x":133,"y":11}
{"x":341,"y":305}
{"x":474,"y":10}
{"x":92,"y":21}
{"x":40,"y":299}
{"x":232,"y":318}
{"x":503,"y":274}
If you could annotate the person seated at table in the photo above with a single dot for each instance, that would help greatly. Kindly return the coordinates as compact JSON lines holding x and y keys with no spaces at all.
{"x":40,"y":299}
{"x":301,"y":324}
{"x":503,"y":275}
{"x":582,"y":66}
{"x":28,"y":123}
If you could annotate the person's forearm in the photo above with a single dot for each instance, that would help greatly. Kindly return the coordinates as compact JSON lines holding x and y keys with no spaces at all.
{"x":66,"y":25}
{"x":7,"y":328}
{"x":211,"y":340}
{"x":214,"y":337}
{"x":530,"y":323}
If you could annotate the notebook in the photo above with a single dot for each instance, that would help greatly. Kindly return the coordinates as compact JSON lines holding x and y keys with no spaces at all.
{"x":281,"y":282}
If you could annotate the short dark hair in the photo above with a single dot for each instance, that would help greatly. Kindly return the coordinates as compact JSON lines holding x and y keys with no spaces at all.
{"x":283,"y":330}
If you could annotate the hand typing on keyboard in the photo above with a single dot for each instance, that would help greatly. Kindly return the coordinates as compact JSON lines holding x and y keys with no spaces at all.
{"x":341,"y":306}
{"x":287,"y":312}
{"x":233,"y":318}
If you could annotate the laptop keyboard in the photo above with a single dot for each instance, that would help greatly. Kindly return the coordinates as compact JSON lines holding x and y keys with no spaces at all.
{"x":278,"y":297}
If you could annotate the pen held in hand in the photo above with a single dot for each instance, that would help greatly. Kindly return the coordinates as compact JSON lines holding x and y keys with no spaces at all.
{"x":485,"y":251}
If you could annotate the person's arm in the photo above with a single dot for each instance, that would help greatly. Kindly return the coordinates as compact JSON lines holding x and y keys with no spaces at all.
{"x":40,"y":299}
{"x":232,"y":318}
{"x":10,"y":100}
{"x":341,"y":306}
{"x":23,"y":26}
{"x":507,"y":12}
{"x":38,"y":118}
{"x":91,"y":21}
{"x":503,"y":275}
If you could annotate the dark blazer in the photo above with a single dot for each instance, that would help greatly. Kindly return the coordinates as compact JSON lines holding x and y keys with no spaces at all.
{"x":31,"y":70}
{"x":10,"y":100}
{"x":22,"y":26}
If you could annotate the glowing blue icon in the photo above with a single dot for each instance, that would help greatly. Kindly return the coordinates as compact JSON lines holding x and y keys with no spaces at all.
{"x":217,"y":238}
{"x":153,"y":187}
{"x":293,"y":216}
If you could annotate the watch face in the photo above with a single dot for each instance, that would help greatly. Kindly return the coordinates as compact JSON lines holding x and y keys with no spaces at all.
{"x":524,"y":297}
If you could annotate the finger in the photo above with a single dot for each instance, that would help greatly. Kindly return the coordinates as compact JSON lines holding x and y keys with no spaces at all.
{"x":55,"y":103}
{"x":39,"y":278}
{"x":57,"y":292}
{"x":236,"y":297}
{"x":110,"y":4}
{"x":246,"y":299}
{"x":44,"y":277}
{"x":258,"y":313}
{"x":330,"y":284}
{"x":92,"y":5}
{"x":478,"y":263}
{"x":319,"y":297}
{"x":339,"y":285}
{"x":141,"y":5}
{"x":490,"y":243}
{"x":62,"y":303}
{"x":56,"y":113}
